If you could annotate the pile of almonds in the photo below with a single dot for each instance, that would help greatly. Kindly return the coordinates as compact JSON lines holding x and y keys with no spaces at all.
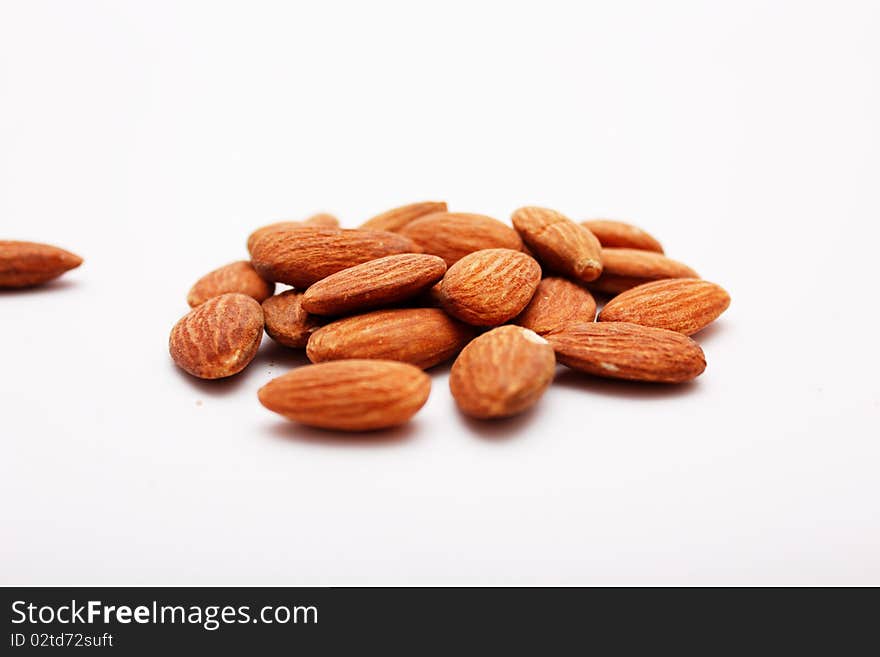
{"x":417,"y":286}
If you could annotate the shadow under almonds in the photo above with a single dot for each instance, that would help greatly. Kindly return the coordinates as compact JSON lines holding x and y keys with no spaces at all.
{"x":300,"y":433}
{"x":710,"y":333}
{"x":57,"y":285}
{"x":568,"y":378}
{"x":278,"y":357}
{"x":210,"y":387}
{"x":502,"y":429}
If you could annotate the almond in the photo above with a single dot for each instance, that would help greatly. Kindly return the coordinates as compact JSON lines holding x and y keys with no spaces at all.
{"x":302,"y":256}
{"x":395,"y":219}
{"x":559,"y":243}
{"x":620,"y":234}
{"x":286,"y":321}
{"x":422,"y":337}
{"x":453,"y":235}
{"x":627,"y":268}
{"x":685,"y":305}
{"x":24,"y":264}
{"x":238,"y":277}
{"x":489,"y":287}
{"x":322,"y":220}
{"x":373,"y":284}
{"x":628,"y":351}
{"x":349,"y":395}
{"x":218,"y":338}
{"x":557,"y":303}
{"x":501,"y":373}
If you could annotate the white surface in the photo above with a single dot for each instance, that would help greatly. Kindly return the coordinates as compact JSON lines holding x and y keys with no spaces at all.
{"x":152,"y":137}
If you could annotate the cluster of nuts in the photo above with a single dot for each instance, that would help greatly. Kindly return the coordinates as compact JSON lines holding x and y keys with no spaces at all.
{"x":418,"y":285}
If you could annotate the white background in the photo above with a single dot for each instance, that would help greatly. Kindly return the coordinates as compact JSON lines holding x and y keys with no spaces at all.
{"x":152,"y":137}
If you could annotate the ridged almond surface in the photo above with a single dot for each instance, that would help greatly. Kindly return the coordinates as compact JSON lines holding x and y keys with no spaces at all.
{"x":396,"y":218}
{"x":559,"y":243}
{"x":321,"y":220}
{"x":286,"y":321}
{"x":490,"y":287}
{"x":453,"y":235}
{"x":501,"y":373}
{"x":302,"y":256}
{"x":373,"y":284}
{"x":238,"y":277}
{"x":619,"y":234}
{"x":23,"y":264}
{"x":219,"y":338}
{"x":422,"y":337}
{"x":349,"y":395}
{"x":685,"y":305}
{"x":628,"y":351}
{"x":627,"y":268}
{"x":557,"y":303}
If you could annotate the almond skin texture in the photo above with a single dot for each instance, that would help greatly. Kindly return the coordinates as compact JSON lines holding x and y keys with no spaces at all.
{"x":24,"y":264}
{"x":628,"y":351}
{"x":286,"y":321}
{"x":619,"y":234}
{"x":627,"y":268}
{"x":685,"y":305}
{"x":502,"y":373}
{"x":321,"y":220}
{"x":490,"y":287}
{"x":238,"y":277}
{"x":453,"y":235}
{"x":559,"y":243}
{"x":219,"y":338}
{"x":422,"y":337}
{"x":349,"y":395}
{"x":302,"y":256}
{"x":395,"y":219}
{"x":557,"y":303}
{"x":373,"y":284}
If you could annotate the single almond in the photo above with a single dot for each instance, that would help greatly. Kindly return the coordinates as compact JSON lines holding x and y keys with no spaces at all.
{"x":218,"y":338}
{"x":396,"y":218}
{"x":619,"y":234}
{"x":627,"y":268}
{"x":557,"y":303}
{"x":685,"y":305}
{"x":302,"y":256}
{"x":490,"y":287}
{"x":559,"y":243}
{"x":620,"y":350}
{"x":422,"y":337}
{"x":322,"y":220}
{"x":238,"y":277}
{"x":286,"y":321}
{"x":373,"y":284}
{"x":453,"y":235}
{"x":24,"y":264}
{"x":501,"y":373}
{"x":349,"y":395}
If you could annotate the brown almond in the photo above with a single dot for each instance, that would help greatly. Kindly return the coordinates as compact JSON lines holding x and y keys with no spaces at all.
{"x":322,"y":220}
{"x":302,"y":256}
{"x":627,"y":268}
{"x":619,"y":234}
{"x":373,"y":284}
{"x":422,"y":337}
{"x":24,"y":264}
{"x":238,"y":277}
{"x":501,"y":373}
{"x":628,"y":351}
{"x":218,"y":338}
{"x":453,"y":235}
{"x":396,"y":218}
{"x":490,"y":287}
{"x":349,"y":395}
{"x":559,"y":243}
{"x":685,"y":305}
{"x":557,"y":303}
{"x":286,"y":321}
